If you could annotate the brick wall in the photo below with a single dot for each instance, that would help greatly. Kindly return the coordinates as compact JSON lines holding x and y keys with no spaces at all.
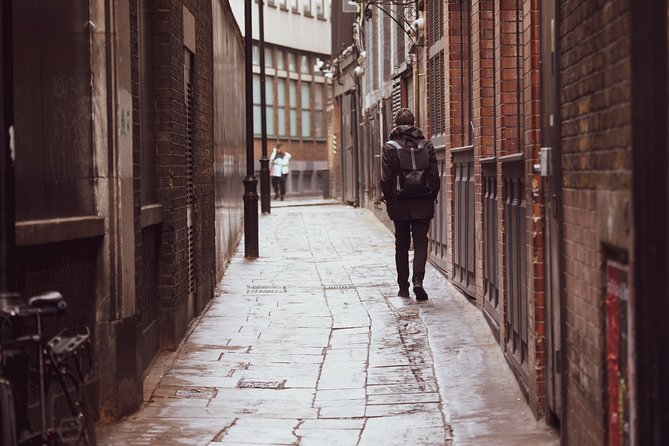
{"x":172,"y":167}
{"x":531,"y":118}
{"x":505,"y":115}
{"x":596,"y":158}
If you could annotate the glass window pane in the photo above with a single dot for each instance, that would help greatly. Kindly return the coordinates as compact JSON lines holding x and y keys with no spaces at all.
{"x":280,"y":62}
{"x":256,"y":54}
{"x":307,"y":7}
{"x":305,"y":96}
{"x":291,"y":62}
{"x":318,"y":124}
{"x":306,"y":124}
{"x":295,"y":5}
{"x":320,"y":7}
{"x":269,"y":118}
{"x":304,"y":64}
{"x":281,"y":93}
{"x":292,"y":96}
{"x":282,"y":121}
{"x":256,"y":120}
{"x":269,"y":91}
{"x":268,"y":57}
{"x":293,"y":123}
{"x":256,"y":89}
{"x":318,"y":97}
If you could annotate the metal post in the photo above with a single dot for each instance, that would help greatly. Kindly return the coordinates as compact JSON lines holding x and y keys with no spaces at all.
{"x":250,"y":182}
{"x":264,"y":161}
{"x":7,"y":209}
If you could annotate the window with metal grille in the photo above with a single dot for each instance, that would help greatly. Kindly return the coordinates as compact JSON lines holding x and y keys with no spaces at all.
{"x":397,"y":96}
{"x":436,"y":91}
{"x":149,"y":180}
{"x":190,"y":171}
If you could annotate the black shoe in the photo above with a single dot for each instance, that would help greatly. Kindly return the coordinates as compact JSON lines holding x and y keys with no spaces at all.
{"x":419,"y":291}
{"x":403,"y":292}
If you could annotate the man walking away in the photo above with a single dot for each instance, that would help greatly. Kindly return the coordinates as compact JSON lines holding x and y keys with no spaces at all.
{"x":410,"y":187}
{"x":279,"y":167}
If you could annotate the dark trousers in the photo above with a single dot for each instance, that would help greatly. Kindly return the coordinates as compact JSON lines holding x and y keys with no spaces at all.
{"x":279,"y":185}
{"x":404,"y":229}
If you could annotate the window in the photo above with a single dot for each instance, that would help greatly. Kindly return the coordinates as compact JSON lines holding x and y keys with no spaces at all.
{"x":256,"y":105}
{"x":306,"y":110}
{"x":268,"y":57}
{"x":269,"y":106}
{"x":307,"y":7}
{"x":304,"y":64}
{"x":292,"y":66}
{"x":282,"y":4}
{"x":280,"y":62}
{"x":256,"y":54}
{"x":281,"y":105}
{"x":292,"y":104}
{"x":320,"y":8}
{"x":318,"y":111}
{"x":269,"y":101}
{"x":294,"y":5}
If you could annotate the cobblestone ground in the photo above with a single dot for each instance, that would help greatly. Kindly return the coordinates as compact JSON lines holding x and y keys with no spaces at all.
{"x":309,"y":345}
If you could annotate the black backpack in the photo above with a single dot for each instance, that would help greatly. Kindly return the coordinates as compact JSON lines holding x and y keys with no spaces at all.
{"x":413,"y":180}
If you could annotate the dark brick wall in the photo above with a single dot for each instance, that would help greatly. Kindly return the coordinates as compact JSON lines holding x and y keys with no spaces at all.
{"x":171,"y":163}
{"x":596,"y":157}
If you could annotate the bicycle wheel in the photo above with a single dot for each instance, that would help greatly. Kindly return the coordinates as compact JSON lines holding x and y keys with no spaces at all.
{"x":7,"y":415}
{"x":67,"y":412}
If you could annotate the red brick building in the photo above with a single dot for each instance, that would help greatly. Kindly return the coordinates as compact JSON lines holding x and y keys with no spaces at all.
{"x":550,"y":124}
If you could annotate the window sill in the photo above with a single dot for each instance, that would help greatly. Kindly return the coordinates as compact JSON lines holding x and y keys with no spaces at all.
{"x":42,"y":232}
{"x":152,"y":214}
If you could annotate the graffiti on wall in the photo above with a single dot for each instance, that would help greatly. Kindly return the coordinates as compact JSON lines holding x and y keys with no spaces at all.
{"x":616,"y":301}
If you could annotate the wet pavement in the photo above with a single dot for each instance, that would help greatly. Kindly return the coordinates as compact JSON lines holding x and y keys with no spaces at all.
{"x":309,"y":345}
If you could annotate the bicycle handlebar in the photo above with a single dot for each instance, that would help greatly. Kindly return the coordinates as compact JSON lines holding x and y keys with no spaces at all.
{"x":49,"y":303}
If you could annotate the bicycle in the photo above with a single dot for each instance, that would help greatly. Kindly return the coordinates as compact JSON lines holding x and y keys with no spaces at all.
{"x":62,"y":363}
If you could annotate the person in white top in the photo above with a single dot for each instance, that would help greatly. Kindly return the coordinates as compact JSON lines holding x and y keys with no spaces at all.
{"x":278,"y":162}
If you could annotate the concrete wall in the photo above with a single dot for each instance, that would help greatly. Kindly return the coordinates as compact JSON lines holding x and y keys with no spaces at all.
{"x":307,"y":32}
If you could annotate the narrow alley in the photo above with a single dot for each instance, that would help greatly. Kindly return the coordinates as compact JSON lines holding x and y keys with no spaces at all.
{"x":309,"y":345}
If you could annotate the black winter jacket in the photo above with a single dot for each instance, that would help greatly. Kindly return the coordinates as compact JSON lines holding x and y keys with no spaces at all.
{"x":405,"y":208}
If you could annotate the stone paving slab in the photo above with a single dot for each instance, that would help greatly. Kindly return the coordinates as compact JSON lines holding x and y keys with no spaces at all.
{"x":309,"y":345}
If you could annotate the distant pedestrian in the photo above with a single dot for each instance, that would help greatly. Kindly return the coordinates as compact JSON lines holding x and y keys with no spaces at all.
{"x":410,"y":186}
{"x":279,"y":169}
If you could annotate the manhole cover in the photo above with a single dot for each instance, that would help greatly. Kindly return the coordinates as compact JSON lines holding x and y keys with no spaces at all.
{"x":265,"y":289}
{"x":338,"y":287}
{"x":195,"y":393}
{"x":260,"y":384}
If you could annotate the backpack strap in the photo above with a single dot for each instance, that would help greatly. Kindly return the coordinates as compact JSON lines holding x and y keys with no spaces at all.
{"x":395,"y":144}
{"x":399,"y":146}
